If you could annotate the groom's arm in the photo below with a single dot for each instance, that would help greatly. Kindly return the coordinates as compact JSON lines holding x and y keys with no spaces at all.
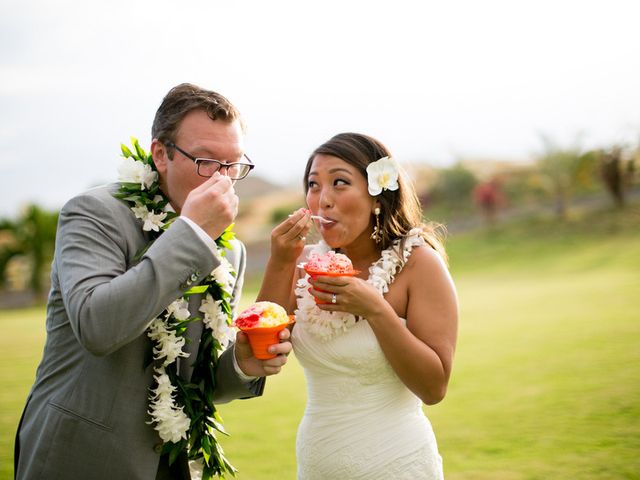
{"x":229,"y":385}
{"x":108,"y":302}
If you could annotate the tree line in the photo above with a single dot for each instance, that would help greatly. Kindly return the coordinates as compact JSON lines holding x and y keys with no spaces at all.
{"x":558,"y":175}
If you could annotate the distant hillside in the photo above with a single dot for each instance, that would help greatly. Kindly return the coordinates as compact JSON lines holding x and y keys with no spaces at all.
{"x":484,"y":169}
{"x":254,"y":186}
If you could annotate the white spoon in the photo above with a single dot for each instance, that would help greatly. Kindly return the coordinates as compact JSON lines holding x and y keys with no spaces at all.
{"x":321,"y":219}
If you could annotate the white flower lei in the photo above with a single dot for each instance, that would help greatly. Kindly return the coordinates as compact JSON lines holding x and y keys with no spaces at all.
{"x":381,"y":274}
{"x":182,"y":412}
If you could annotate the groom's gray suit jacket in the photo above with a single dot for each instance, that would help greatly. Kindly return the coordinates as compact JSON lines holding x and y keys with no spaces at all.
{"x":86,"y":415}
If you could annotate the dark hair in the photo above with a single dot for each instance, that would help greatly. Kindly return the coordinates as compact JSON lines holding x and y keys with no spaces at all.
{"x":181,"y":100}
{"x":400,"y":209}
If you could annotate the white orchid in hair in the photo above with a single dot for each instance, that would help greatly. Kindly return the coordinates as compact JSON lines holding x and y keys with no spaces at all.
{"x":382,"y":175}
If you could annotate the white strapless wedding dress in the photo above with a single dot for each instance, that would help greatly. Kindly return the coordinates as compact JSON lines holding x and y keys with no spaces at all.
{"x":361,"y":421}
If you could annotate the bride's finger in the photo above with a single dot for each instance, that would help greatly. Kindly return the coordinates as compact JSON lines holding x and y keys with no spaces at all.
{"x":301,"y":215}
{"x":292,"y":219}
{"x":324,"y":282}
{"x":294,"y":229}
{"x":329,"y":298}
{"x":332,"y":307}
{"x":298,"y":233}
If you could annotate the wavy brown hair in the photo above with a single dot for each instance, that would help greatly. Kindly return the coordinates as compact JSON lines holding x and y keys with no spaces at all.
{"x":400,"y":209}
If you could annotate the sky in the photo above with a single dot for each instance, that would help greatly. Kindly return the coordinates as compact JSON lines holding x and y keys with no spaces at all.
{"x":434,"y":81}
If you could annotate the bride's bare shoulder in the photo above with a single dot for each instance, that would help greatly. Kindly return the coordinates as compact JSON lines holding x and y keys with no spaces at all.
{"x":425,"y":256}
{"x":424,"y":259}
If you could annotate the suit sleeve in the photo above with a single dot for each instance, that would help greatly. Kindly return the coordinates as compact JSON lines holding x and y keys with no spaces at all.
{"x":229,"y":386}
{"x":109,"y":303}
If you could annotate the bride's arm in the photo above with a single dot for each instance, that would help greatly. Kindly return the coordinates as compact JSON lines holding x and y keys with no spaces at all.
{"x":422,"y":353}
{"x":280,"y":276}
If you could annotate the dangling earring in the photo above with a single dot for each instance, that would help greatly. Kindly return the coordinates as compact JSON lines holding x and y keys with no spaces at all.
{"x":376,"y":236}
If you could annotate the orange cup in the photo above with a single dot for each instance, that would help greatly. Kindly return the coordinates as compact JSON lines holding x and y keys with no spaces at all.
{"x":314,"y":273}
{"x":261,"y":338}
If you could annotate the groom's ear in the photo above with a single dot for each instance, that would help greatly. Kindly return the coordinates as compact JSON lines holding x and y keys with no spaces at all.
{"x":159,"y":155}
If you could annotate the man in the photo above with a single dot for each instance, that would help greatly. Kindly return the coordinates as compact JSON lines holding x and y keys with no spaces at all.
{"x":87,"y":414}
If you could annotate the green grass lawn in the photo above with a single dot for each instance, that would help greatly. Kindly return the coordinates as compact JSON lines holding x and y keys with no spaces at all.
{"x":546,"y":381}
{"x":20,"y":350}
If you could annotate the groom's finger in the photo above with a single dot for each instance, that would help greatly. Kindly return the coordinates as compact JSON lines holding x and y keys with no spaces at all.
{"x":241,"y":337}
{"x":217,"y":180}
{"x":284,"y":334}
{"x":274,"y":365}
{"x":282,"y":348}
{"x":243,"y":349}
{"x":269,"y":370}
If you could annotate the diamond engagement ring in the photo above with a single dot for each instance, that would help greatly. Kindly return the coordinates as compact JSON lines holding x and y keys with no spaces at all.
{"x":334,"y":298}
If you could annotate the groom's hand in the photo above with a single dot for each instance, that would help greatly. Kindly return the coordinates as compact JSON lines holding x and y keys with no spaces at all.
{"x":250,"y":365}
{"x":213,"y":205}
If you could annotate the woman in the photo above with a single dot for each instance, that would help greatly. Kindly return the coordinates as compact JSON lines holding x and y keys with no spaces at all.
{"x":383,"y":342}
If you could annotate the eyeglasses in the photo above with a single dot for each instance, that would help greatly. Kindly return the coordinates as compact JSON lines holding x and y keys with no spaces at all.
{"x":208,"y":166}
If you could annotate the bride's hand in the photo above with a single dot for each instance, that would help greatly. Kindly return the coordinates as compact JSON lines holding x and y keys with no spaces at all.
{"x":287,"y":239}
{"x":352,"y":295}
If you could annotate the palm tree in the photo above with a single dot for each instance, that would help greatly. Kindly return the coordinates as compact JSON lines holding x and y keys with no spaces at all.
{"x":32,"y":235}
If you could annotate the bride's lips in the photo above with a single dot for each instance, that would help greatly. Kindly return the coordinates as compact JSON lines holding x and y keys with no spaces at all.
{"x":330,"y":222}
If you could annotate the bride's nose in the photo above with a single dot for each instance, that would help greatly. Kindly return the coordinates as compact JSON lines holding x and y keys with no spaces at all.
{"x":326,"y":199}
